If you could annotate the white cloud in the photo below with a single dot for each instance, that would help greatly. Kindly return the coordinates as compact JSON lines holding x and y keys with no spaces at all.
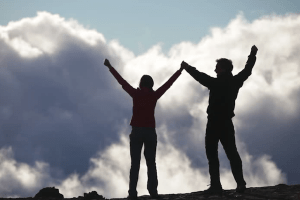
{"x":275,"y":73}
{"x":60,"y":105}
{"x":60,"y":95}
{"x":17,"y":178}
{"x":45,"y":33}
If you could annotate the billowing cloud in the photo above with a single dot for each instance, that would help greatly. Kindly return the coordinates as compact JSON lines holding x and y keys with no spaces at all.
{"x":65,"y":118}
{"x":61,"y":102}
{"x":19,"y":178}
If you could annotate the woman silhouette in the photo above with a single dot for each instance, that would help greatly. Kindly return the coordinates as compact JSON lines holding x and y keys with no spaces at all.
{"x":143,"y":127}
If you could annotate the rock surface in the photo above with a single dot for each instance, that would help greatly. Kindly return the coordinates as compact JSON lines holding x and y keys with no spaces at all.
{"x":49,"y":192}
{"x":278,"y":192}
{"x":92,"y":195}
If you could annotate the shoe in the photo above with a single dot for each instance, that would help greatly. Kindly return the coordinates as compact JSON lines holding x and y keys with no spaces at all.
{"x":132,"y":197}
{"x":155,"y":196}
{"x":213,"y":190}
{"x":240,"y":189}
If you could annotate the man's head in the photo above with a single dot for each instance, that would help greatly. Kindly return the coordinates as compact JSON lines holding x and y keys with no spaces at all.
{"x":146,"y":81}
{"x":223,"y":66}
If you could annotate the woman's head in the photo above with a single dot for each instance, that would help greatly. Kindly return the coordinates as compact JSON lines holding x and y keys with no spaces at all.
{"x":146,"y":81}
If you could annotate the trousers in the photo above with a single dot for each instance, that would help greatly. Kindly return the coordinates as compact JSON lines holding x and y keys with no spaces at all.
{"x":223,"y":131}
{"x":143,"y":136}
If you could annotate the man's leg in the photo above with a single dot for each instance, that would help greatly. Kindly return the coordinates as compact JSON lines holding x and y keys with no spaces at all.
{"x":211,"y":146}
{"x":136,"y":144}
{"x":228,"y":141}
{"x":150,"y":154}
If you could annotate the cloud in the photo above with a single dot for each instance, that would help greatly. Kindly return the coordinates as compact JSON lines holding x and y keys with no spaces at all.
{"x":20,"y":178}
{"x":62,"y":101}
{"x":66,"y":118}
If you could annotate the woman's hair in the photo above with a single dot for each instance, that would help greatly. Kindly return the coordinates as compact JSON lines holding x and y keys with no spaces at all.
{"x":146,"y":81}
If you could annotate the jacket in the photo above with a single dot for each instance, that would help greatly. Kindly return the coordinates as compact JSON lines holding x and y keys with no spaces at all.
{"x":144,"y":100}
{"x":223,"y":90}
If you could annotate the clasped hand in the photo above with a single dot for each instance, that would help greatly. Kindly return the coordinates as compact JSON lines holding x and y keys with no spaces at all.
{"x":184,"y":65}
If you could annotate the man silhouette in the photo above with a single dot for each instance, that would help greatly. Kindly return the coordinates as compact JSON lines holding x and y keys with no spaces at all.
{"x":223,"y":93}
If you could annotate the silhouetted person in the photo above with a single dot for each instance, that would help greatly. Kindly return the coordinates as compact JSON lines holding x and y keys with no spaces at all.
{"x":143,"y":127}
{"x":223,"y":93}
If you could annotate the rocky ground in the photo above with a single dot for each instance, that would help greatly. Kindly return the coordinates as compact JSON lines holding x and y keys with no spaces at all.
{"x":278,"y":192}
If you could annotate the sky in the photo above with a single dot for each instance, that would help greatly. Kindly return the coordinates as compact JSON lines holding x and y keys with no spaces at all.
{"x":64,"y":119}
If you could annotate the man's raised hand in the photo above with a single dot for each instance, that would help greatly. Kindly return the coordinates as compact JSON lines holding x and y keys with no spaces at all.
{"x":253,"y":50}
{"x":107,"y":63}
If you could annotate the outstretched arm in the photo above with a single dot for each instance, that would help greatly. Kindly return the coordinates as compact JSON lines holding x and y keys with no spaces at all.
{"x":126,"y":86}
{"x":160,"y":91}
{"x":201,"y":77}
{"x":246,"y":72}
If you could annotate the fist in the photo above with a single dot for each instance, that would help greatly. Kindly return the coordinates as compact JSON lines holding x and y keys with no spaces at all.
{"x":254,"y":50}
{"x":107,"y":63}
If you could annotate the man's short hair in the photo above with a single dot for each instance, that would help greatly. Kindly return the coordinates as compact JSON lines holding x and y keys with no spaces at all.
{"x":225,"y":64}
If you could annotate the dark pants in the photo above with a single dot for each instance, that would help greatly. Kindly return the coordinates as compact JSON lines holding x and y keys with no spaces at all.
{"x":138,"y":137}
{"x":222,"y":130}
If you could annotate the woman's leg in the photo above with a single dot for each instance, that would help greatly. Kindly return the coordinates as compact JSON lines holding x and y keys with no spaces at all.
{"x":150,"y":141}
{"x":136,"y":143}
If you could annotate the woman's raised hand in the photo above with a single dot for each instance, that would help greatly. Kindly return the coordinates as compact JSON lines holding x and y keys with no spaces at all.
{"x":107,"y":63}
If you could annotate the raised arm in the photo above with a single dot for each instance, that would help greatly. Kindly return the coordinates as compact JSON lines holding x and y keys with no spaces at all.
{"x":246,"y":72}
{"x":201,"y":77}
{"x":126,"y":86}
{"x":160,"y":91}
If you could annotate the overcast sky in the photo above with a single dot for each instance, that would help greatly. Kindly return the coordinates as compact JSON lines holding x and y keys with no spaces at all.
{"x":138,"y":25}
{"x":64,"y":120}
